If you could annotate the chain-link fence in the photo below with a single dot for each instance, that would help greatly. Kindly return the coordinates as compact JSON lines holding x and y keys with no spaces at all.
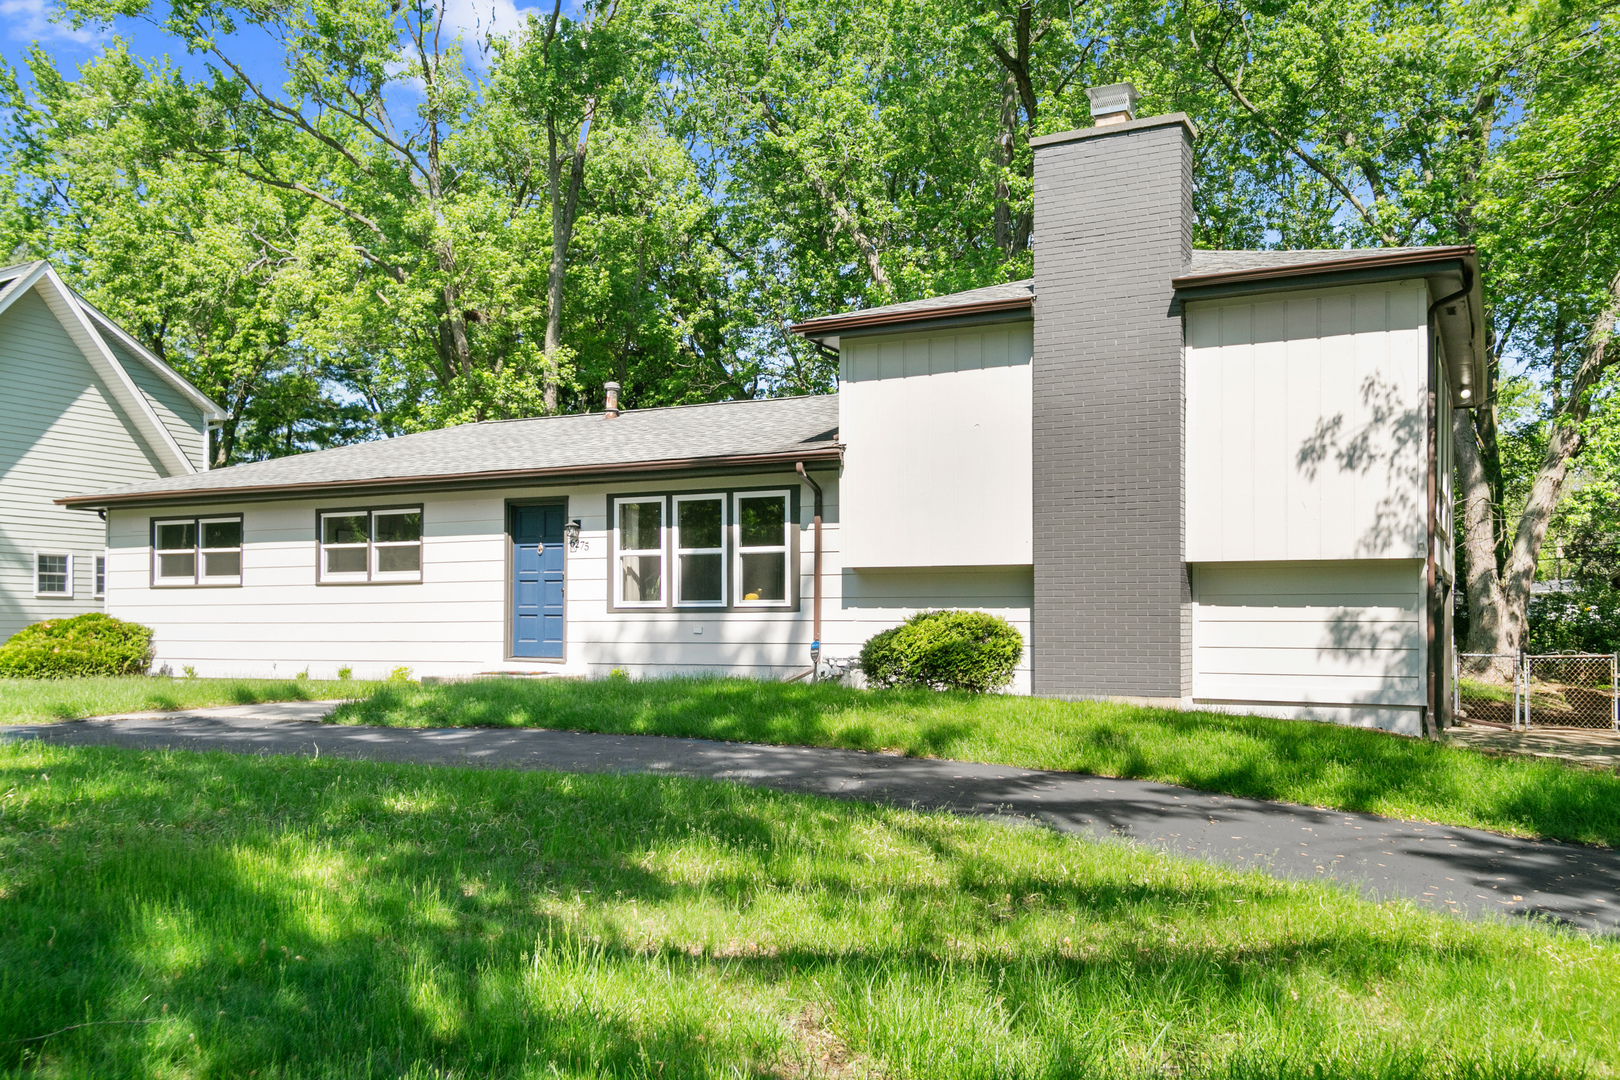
{"x":1570,"y":691}
{"x":1579,"y":690}
{"x":1486,"y":688}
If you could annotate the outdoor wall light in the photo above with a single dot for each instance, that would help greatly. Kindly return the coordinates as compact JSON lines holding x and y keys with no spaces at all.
{"x":571,"y":534}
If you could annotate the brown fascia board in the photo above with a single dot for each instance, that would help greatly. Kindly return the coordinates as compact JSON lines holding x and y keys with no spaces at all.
{"x":267,"y":492}
{"x":856,"y":320}
{"x":1391,"y":260}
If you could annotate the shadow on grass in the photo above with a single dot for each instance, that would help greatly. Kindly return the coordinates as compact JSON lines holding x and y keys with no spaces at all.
{"x":367,"y":920}
{"x":1314,"y":764}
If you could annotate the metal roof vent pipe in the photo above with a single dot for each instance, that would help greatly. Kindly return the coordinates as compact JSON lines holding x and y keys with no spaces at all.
{"x":1112,"y":104}
{"x":612,"y":391}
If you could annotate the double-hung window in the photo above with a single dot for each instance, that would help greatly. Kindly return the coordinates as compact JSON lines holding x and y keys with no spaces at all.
{"x":371,"y":545}
{"x":197,"y":551}
{"x":700,"y":550}
{"x":53,"y":574}
{"x":638,"y":534}
{"x":763,"y":544}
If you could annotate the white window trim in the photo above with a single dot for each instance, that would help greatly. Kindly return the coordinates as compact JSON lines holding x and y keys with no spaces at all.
{"x":680,"y":549}
{"x":370,"y":575}
{"x":98,"y":576}
{"x":662,"y":551}
{"x":198,"y":578}
{"x":68,"y":595}
{"x":205,"y":578}
{"x":785,"y":547}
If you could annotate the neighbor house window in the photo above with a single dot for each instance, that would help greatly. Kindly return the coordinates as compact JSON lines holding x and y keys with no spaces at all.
{"x":53,"y":574}
{"x":762,"y":548}
{"x":700,"y":550}
{"x":638,"y":541}
{"x":197,"y":551}
{"x":101,"y":575}
{"x":371,"y":545}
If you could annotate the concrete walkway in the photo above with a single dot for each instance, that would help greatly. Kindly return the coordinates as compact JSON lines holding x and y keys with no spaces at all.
{"x":1599,"y":749}
{"x":1466,"y":871}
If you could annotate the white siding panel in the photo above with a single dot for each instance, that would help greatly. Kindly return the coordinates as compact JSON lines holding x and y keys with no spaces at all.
{"x":1306,"y":426}
{"x":454,"y":622}
{"x":1329,"y":633}
{"x":939,"y":429}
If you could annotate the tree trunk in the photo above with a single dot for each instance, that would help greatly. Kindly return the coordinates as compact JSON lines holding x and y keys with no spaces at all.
{"x":1499,"y":599}
{"x":564,"y":209}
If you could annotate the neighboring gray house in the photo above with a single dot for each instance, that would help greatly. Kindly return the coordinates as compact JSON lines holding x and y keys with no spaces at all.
{"x":82,"y":405}
{"x":1199,"y":478}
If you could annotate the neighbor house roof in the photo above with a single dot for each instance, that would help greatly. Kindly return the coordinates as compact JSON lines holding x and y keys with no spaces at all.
{"x":90,"y":331}
{"x":1012,"y":297}
{"x":772,"y":432}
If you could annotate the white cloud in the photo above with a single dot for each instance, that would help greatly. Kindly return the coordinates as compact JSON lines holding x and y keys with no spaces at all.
{"x":475,"y":20}
{"x":30,"y":20}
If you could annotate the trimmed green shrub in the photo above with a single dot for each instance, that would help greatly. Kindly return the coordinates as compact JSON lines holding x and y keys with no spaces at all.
{"x":944,"y":650}
{"x":92,"y":644}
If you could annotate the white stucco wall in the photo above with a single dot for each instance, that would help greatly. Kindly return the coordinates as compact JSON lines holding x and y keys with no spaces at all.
{"x":938,"y":429}
{"x":280,"y":622}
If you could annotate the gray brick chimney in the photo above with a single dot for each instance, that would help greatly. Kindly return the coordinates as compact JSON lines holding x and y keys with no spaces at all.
{"x":1113,"y":219}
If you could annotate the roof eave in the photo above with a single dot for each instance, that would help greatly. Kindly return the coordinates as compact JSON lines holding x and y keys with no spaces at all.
{"x":828,"y":325}
{"x":1202,"y":286}
{"x":461,"y":481}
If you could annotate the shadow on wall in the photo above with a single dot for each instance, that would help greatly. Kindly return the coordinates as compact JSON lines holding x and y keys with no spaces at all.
{"x":1389,"y":440}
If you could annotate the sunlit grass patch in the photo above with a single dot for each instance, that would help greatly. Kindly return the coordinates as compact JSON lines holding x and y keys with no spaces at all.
{"x":333,"y":918}
{"x":1256,"y":757}
{"x":35,"y":700}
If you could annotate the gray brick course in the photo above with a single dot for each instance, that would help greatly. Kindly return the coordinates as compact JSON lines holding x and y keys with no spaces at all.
{"x":1112,"y":610}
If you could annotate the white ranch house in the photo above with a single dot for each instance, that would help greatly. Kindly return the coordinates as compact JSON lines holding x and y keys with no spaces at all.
{"x":1201,"y":478}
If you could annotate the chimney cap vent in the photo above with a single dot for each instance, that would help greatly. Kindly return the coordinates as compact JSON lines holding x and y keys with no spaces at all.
{"x":611,"y":391}
{"x":1112,"y":104}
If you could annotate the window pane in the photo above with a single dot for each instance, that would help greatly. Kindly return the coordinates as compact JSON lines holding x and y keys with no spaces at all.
{"x":764,"y":576}
{"x":180,"y":565}
{"x":641,"y":525}
{"x":52,"y":574}
{"x":641,"y":577}
{"x":222,"y":564}
{"x":762,"y":520}
{"x":345,"y":529}
{"x":222,"y":534}
{"x":176,"y":535}
{"x":407,"y":558}
{"x":699,"y":523}
{"x":101,"y":573}
{"x":700,"y":578}
{"x":392,"y":528}
{"x":346,"y":560}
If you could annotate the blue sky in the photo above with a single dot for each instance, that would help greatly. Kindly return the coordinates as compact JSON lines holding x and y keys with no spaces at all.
{"x":24,"y":22}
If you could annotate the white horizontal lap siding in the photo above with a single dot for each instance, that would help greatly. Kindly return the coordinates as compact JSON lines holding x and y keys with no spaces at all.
{"x":1345,"y":633}
{"x":938,"y":430}
{"x":181,"y":416}
{"x":61,"y":433}
{"x":1307,"y":425}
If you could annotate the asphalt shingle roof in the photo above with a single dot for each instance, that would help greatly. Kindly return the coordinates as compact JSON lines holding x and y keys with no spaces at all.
{"x":768,"y":426}
{"x":1226,"y":262}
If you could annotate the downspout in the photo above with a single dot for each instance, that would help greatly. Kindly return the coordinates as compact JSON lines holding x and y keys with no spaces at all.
{"x":1434,"y":648}
{"x":815,"y":576}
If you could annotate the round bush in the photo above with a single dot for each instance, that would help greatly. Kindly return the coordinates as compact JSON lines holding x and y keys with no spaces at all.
{"x":944,"y":650}
{"x":92,"y":644}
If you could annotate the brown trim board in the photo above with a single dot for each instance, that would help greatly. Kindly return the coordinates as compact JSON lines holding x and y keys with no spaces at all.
{"x":828,"y":324}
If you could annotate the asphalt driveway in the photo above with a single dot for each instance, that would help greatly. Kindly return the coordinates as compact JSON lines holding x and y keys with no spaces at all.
{"x":1466,"y":871}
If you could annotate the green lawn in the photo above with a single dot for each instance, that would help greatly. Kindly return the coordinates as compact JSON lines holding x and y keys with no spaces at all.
{"x":1292,"y":761}
{"x":187,"y":915}
{"x":33,"y":700}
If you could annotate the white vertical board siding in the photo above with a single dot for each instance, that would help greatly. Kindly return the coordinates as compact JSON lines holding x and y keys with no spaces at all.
{"x":939,"y":430}
{"x":61,"y":433}
{"x":1306,"y":425}
{"x":279,"y":621}
{"x":1341,"y":635}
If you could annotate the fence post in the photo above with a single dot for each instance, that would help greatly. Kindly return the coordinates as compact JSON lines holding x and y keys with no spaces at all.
{"x":1522,"y":689}
{"x":1614,"y":691}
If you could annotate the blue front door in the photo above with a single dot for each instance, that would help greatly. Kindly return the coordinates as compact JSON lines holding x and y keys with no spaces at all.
{"x":537,"y":582}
